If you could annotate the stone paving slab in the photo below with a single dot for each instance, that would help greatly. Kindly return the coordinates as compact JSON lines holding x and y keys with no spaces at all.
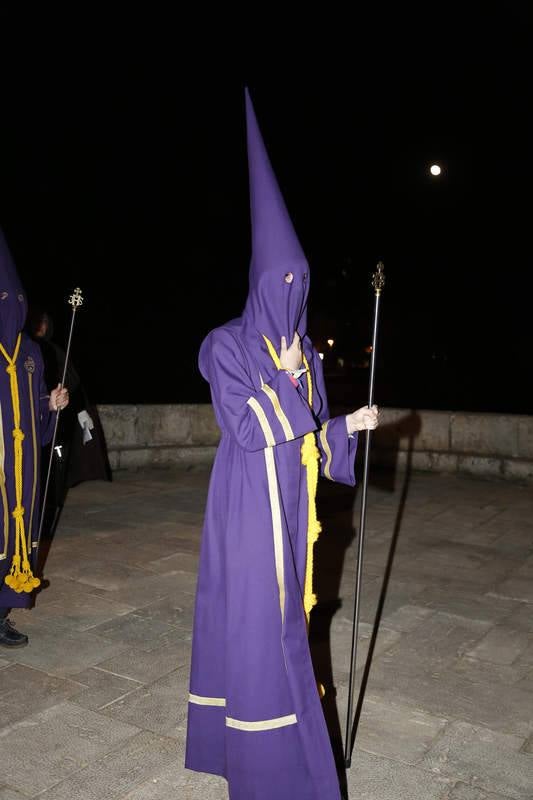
{"x":482,"y":607}
{"x":526,"y":568}
{"x":133,"y":630}
{"x":78,"y":610}
{"x":123,"y":547}
{"x":10,"y":794}
{"x":152,"y":587}
{"x":393,"y":730}
{"x":515,"y":540}
{"x":489,"y":575}
{"x":64,"y":592}
{"x":100,"y":573}
{"x":176,"y":610}
{"x":373,"y":777}
{"x":181,"y":784}
{"x":526,"y":683}
{"x":47,"y":747}
{"x":147,"y":666}
{"x":25,"y":691}
{"x":470,"y":515}
{"x":101,"y":688}
{"x":452,"y":695}
{"x":483,"y":758}
{"x":160,"y":707}
{"x":515,"y":589}
{"x":120,"y":771}
{"x":502,"y":645}
{"x":61,"y":652}
{"x":407,"y":618}
{"x":527,"y":656}
{"x":437,"y":643}
{"x":180,"y":562}
{"x":95,"y":706}
{"x":399,"y":594}
{"x":486,"y":671}
{"x":462,"y":791}
{"x":341,"y":644}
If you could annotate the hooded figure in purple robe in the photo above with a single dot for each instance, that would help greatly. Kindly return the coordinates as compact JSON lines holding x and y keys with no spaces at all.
{"x":26,"y":423}
{"x":255,"y":713}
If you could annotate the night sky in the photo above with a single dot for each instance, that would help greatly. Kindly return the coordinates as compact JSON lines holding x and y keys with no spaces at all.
{"x":123,"y":170}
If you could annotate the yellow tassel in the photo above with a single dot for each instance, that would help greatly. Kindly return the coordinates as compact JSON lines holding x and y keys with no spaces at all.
{"x":20,"y":577}
{"x":310,"y":458}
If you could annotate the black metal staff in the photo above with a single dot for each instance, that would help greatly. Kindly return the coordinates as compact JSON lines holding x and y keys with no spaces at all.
{"x":75,"y":300}
{"x":378,"y":281}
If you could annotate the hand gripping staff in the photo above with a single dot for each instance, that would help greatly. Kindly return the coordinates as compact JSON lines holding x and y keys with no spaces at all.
{"x":75,"y":300}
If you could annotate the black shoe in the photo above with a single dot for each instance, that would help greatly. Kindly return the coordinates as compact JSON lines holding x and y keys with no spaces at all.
{"x":10,"y":637}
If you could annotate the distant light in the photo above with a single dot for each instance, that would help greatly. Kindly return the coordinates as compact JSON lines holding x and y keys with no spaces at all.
{"x":435,"y":169}
{"x":331,"y":342}
{"x":321,"y":356}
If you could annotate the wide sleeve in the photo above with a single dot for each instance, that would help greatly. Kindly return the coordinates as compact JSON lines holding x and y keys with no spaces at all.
{"x":337,"y":448}
{"x":47,"y":418}
{"x":276,"y":413}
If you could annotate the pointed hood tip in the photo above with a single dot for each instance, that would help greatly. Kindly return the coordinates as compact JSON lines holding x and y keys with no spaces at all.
{"x":13,"y":299}
{"x":276,"y":249}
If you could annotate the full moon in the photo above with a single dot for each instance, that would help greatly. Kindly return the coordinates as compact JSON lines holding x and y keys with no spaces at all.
{"x":435,"y":169}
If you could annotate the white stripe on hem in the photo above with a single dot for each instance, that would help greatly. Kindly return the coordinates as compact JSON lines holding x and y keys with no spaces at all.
{"x":263,"y":421}
{"x":207,"y":701}
{"x":263,"y":724}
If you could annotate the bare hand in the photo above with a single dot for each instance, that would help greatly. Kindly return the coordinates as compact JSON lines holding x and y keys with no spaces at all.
{"x":291,"y":358}
{"x":364,"y":418}
{"x":59,"y":398}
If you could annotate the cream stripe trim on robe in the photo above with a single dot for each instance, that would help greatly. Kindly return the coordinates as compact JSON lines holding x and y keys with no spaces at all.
{"x":263,"y":724}
{"x":3,"y":491}
{"x":280,"y":414}
{"x":263,"y":421}
{"x":275,"y":508}
{"x":198,"y":700}
{"x":258,"y":725}
{"x":35,"y":462}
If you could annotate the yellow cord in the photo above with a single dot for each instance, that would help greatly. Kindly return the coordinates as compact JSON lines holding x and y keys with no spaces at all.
{"x":20,"y":577}
{"x":310,"y":458}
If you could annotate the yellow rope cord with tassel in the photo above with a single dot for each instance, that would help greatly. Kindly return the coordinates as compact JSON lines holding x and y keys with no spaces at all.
{"x":310,"y":457}
{"x":20,"y":577}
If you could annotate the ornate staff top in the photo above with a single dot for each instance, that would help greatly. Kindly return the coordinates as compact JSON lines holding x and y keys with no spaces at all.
{"x":76,"y":299}
{"x":378,"y":278}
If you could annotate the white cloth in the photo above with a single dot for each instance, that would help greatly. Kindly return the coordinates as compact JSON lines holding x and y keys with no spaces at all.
{"x":86,"y":425}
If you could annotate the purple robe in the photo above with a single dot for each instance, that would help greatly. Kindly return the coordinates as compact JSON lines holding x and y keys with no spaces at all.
{"x":36,"y":422}
{"x":255,"y":714}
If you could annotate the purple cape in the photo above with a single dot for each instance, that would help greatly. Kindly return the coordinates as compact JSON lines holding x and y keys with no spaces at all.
{"x":255,"y":714}
{"x":35,"y":421}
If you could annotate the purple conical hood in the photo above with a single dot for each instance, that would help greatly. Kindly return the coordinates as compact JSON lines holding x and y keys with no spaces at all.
{"x":13,"y":305}
{"x":274,"y":307}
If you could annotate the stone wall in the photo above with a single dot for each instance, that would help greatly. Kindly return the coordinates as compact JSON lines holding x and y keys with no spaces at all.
{"x":494,"y":445}
{"x":159,"y":435}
